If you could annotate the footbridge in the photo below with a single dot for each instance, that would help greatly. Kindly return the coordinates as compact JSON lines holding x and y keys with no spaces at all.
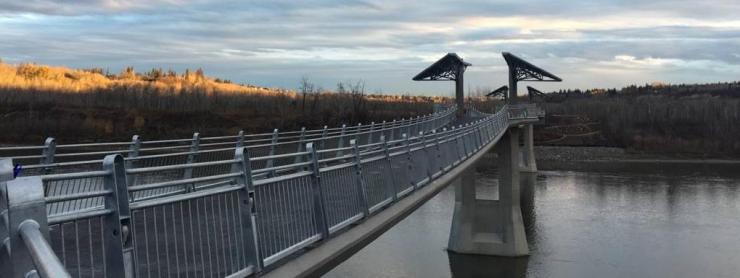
{"x":280,"y":204}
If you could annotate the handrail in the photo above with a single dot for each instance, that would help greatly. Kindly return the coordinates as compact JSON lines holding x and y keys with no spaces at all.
{"x":50,"y":150}
{"x":46,"y":261}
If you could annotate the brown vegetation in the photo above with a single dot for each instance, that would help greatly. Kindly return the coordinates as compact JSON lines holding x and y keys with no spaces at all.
{"x":676,"y":120}
{"x":91,"y":105}
{"x":698,"y":120}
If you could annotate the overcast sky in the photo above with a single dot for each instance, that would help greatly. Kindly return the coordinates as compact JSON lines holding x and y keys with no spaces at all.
{"x":594,"y":43}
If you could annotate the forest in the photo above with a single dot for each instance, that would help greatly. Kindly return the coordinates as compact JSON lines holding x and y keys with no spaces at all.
{"x":697,"y":120}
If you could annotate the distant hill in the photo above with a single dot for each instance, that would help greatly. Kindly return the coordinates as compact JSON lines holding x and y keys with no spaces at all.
{"x":73,"y":105}
{"x":27,"y":76}
{"x":725,"y":89}
{"x":696,"y":120}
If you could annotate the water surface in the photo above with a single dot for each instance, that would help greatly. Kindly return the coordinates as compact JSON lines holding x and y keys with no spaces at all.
{"x":609,"y":221}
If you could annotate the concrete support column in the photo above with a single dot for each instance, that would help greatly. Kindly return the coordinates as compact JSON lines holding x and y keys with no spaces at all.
{"x":491,"y":227}
{"x":529,"y":164}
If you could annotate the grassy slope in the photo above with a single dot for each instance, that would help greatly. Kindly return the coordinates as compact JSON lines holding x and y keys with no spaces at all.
{"x":87,"y":105}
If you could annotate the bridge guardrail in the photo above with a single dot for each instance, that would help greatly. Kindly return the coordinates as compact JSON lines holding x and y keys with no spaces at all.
{"x":227,"y":222}
{"x":277,"y":152}
{"x":44,"y":159}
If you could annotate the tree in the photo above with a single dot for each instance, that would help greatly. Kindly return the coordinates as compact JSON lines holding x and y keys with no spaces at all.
{"x":306,"y":87}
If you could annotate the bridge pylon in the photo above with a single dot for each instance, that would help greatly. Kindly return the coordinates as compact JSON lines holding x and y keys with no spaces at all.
{"x":491,"y":227}
{"x":529,"y":164}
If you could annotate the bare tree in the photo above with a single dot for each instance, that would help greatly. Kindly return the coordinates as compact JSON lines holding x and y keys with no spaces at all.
{"x":306,"y":87}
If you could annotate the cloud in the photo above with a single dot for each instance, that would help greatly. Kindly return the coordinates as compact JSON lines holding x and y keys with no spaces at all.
{"x":386,"y":42}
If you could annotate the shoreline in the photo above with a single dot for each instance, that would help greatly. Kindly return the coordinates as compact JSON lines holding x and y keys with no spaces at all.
{"x":558,"y":154}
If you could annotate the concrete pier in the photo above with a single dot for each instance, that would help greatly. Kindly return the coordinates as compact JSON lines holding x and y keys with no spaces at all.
{"x":529,"y":164}
{"x":491,"y":227}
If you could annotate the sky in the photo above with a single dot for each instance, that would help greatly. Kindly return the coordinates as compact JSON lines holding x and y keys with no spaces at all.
{"x":589,"y":44}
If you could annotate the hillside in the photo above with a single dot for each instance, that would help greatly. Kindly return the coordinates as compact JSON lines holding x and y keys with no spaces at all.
{"x":694,"y":120}
{"x":91,"y":105}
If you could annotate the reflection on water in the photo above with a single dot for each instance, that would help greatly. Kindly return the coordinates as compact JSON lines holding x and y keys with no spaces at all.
{"x":639,"y":221}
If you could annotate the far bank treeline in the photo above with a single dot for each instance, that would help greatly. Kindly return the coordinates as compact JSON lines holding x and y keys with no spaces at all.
{"x":93,"y":105}
{"x":691,"y":120}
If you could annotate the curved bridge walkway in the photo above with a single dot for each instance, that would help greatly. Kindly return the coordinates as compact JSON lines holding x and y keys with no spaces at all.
{"x":280,"y":204}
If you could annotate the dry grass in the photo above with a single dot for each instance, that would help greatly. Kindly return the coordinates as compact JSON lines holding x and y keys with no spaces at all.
{"x":90,"y":105}
{"x":65,"y":80}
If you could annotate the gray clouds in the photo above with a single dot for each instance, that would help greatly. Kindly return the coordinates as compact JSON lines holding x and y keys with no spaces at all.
{"x":274,"y":43}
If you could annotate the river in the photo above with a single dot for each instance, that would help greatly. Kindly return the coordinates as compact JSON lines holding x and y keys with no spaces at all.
{"x":605,"y":220}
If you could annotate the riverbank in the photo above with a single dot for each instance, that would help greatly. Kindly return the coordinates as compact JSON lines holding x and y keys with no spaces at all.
{"x":609,"y":154}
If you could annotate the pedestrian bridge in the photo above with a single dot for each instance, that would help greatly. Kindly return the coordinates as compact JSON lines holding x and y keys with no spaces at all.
{"x":199,"y":207}
{"x":280,"y":204}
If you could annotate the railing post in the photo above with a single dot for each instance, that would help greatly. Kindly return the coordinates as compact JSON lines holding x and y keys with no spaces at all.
{"x":463,"y":137}
{"x":407,"y":124}
{"x":27,"y":210}
{"x":428,"y":155}
{"x":370,"y":134}
{"x":357,"y":132}
{"x":477,"y":133}
{"x":393,"y":187}
{"x":246,"y":206}
{"x":382,"y":130}
{"x":6,"y":174}
{"x":392,"y":135}
{"x":446,"y":150}
{"x":438,"y":160}
{"x":417,"y":126}
{"x":50,"y":148}
{"x":133,"y":152}
{"x":361,"y":193}
{"x":192,"y":155}
{"x":240,"y":139}
{"x":319,"y":210}
{"x":271,"y":162}
{"x":117,"y":240}
{"x":324,"y":133}
{"x":340,"y":143}
{"x":301,"y":146}
{"x":409,"y":161}
{"x":133,"y":149}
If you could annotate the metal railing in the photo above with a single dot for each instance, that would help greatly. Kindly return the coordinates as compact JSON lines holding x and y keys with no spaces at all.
{"x":221,"y":219}
{"x":58,"y":158}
